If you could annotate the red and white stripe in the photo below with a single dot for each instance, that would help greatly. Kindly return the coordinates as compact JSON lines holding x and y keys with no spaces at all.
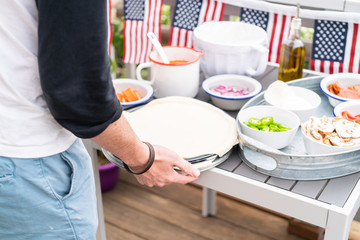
{"x":278,"y":30}
{"x":211,"y":10}
{"x":326,"y":66}
{"x":136,"y":44}
{"x":351,"y":61}
{"x":352,"y":49}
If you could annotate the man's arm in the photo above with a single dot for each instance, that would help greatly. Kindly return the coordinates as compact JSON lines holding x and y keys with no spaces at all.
{"x":74,"y":65}
{"x":75,"y":78}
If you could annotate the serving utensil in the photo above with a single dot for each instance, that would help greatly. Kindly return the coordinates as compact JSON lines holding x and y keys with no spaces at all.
{"x":153,"y":39}
{"x":202,"y":158}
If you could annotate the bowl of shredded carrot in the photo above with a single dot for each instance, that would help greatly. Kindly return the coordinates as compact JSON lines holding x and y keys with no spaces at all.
{"x":341,"y":87}
{"x":132,"y":92}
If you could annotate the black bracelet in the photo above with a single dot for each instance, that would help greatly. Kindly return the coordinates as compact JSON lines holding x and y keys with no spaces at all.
{"x":150,"y":162}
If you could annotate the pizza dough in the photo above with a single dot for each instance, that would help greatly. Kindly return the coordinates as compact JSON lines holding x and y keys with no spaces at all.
{"x":187,"y":126}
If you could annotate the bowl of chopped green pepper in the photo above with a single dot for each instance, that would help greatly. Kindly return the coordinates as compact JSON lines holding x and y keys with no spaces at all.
{"x":271,"y":125}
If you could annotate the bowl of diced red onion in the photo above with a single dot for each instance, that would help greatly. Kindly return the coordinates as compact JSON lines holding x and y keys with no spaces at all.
{"x":231,"y":91}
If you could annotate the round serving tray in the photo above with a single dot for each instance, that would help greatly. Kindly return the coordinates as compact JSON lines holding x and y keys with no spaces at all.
{"x":203,"y":162}
{"x":202,"y":166}
{"x":292,"y":162}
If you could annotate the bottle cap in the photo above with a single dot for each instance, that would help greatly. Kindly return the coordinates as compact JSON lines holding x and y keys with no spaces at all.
{"x":296,"y":21}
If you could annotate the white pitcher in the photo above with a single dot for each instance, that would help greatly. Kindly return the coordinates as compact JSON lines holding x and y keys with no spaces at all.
{"x":178,"y":78}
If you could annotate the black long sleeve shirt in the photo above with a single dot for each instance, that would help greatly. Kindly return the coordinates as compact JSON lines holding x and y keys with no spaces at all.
{"x":74,"y":64}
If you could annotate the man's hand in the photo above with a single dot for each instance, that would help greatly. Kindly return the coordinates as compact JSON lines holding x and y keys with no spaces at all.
{"x":162,"y":171}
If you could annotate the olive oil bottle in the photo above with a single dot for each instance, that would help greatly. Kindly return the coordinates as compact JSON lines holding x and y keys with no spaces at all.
{"x":292,"y":53}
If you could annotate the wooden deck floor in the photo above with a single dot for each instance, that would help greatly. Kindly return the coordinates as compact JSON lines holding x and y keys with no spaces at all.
{"x":136,"y":212}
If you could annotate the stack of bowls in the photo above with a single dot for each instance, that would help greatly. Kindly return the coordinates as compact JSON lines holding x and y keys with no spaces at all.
{"x":231,"y":48}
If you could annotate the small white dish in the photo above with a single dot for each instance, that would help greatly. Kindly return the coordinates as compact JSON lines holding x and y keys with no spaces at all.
{"x":302,"y":101}
{"x":276,"y":140}
{"x":345,"y":80}
{"x":145,"y":90}
{"x":231,"y":80}
{"x":352,"y":107}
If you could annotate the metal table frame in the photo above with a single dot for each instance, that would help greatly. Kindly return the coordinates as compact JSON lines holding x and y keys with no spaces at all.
{"x":270,"y":194}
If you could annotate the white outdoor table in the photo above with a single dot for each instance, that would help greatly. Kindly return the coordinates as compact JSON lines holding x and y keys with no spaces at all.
{"x":330,"y":204}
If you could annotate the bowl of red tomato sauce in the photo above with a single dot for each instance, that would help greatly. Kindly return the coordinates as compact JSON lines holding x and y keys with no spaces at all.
{"x":132,"y":92}
{"x":349,"y":110}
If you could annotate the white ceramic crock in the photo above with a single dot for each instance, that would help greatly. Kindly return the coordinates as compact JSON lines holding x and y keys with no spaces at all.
{"x":173,"y":79}
{"x":231,"y":48}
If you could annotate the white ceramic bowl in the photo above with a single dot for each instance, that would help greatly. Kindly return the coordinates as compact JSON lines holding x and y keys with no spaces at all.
{"x":145,"y":90}
{"x":313,"y":147}
{"x":231,"y":80}
{"x":231,"y":48}
{"x":274,"y":139}
{"x":353,"y":107}
{"x":299,"y":95}
{"x":345,"y":80}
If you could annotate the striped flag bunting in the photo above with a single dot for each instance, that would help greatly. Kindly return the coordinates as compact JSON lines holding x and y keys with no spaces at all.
{"x":336,"y":47}
{"x":188,"y":15}
{"x":140,"y":17}
{"x":276,"y":25}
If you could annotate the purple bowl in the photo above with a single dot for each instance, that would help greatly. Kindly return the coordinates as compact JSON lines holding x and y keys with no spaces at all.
{"x":109,"y":175}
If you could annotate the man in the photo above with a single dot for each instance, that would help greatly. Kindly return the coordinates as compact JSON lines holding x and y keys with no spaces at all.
{"x":55,"y":86}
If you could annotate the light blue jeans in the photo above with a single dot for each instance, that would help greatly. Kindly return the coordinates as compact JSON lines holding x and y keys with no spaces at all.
{"x":48,"y":198}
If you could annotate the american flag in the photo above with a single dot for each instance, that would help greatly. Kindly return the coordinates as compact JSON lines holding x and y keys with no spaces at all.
{"x":141,"y":17}
{"x":188,"y":15}
{"x":336,"y":47}
{"x":276,"y":25}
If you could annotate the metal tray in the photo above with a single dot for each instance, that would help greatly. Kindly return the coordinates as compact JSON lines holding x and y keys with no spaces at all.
{"x":292,"y":162}
{"x":202,"y":166}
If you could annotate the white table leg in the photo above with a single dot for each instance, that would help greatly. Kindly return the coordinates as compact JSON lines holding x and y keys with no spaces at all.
{"x":338,"y":226}
{"x":90,"y":147}
{"x":209,"y":202}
